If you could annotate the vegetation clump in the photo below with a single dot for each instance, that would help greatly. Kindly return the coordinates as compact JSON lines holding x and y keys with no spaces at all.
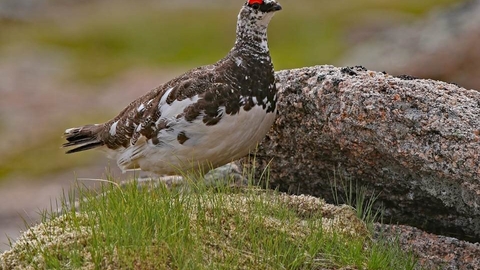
{"x":200,"y":228}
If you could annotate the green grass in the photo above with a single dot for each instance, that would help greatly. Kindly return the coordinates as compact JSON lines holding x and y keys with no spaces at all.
{"x":346,"y":191}
{"x":202,"y":227}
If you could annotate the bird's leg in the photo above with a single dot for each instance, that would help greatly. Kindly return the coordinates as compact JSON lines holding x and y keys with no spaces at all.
{"x":229,"y":174}
{"x":153,"y":180}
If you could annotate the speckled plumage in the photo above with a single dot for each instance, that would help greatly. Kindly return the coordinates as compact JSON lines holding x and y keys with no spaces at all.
{"x":208,"y":116}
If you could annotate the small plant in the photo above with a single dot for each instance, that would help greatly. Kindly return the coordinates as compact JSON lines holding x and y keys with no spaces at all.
{"x":345,"y":190}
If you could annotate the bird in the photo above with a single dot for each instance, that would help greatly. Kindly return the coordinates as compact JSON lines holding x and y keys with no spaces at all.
{"x":203,"y":119}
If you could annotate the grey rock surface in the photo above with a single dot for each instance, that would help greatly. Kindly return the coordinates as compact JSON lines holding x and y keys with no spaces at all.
{"x":414,"y":143}
{"x":433,"y":251}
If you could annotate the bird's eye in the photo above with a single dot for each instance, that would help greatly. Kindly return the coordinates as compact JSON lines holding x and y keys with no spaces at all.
{"x":255,"y":6}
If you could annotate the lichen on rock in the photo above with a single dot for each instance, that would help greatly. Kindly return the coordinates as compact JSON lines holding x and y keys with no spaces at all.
{"x":414,"y":142}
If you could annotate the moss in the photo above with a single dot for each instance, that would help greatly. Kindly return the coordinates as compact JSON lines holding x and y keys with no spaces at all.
{"x":63,"y":236}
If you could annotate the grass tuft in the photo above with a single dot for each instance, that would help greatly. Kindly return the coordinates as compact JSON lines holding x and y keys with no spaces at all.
{"x":205,"y":227}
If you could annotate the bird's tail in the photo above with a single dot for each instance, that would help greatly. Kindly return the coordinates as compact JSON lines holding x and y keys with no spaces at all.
{"x":84,"y":138}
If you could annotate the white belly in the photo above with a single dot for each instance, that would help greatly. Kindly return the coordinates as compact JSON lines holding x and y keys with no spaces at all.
{"x":207,"y":146}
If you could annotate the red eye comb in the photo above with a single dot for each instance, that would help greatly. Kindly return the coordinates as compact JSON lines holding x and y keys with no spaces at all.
{"x":251,"y":2}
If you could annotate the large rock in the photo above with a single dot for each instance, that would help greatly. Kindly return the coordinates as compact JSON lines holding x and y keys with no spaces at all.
{"x":433,"y":251}
{"x":414,"y":143}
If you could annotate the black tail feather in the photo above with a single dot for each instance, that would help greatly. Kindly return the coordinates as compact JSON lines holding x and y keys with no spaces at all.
{"x":86,"y":137}
{"x":84,"y":147}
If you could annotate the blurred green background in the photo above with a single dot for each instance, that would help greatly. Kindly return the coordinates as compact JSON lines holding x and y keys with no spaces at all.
{"x":103,"y":38}
{"x":93,"y":42}
{"x":69,"y":63}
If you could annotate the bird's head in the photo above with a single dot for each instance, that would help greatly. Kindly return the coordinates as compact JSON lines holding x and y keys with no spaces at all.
{"x":259,"y":11}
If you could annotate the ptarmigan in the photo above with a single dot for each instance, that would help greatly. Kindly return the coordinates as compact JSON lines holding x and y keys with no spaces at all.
{"x":203,"y":119}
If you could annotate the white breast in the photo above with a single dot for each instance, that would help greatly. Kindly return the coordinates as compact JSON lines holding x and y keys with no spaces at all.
{"x":209,"y":146}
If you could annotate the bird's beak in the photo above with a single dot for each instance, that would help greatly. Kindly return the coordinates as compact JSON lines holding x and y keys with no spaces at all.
{"x":274,"y":7}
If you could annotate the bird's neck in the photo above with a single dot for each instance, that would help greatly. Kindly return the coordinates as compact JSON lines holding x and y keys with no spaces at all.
{"x":251,"y":37}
